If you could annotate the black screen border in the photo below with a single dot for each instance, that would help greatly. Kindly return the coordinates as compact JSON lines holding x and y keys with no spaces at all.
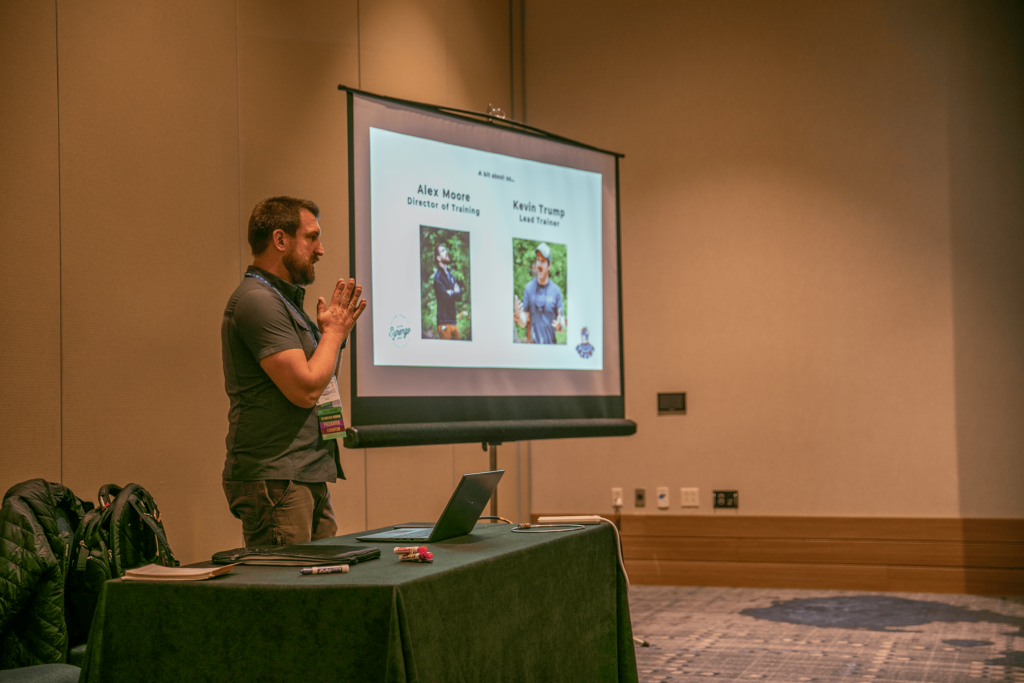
{"x":392,"y":410}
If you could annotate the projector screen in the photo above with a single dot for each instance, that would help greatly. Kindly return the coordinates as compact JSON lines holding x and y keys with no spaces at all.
{"x":489,"y":258}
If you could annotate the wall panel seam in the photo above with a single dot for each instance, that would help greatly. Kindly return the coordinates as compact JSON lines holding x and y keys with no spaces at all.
{"x":238,"y":139}
{"x":60,"y":245}
{"x":359,"y":50}
{"x":447,"y":50}
{"x":511,"y":62}
{"x":522,"y":52}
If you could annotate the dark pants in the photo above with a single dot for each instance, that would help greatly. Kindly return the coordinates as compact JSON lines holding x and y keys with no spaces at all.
{"x":281,"y":512}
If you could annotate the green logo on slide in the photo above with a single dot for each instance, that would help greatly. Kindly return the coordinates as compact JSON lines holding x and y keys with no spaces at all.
{"x":399,"y":331}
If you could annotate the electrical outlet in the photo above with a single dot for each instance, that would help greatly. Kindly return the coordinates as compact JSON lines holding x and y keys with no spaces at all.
{"x":640,"y":499}
{"x":689,"y":498}
{"x":663,"y":498}
{"x":616,"y":496}
{"x":727,"y":499}
{"x":672,"y":404}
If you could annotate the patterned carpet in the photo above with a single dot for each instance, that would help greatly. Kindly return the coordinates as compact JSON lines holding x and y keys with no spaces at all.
{"x":758,"y":634}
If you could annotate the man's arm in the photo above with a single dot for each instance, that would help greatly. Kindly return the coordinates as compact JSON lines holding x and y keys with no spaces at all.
{"x":337,"y":364}
{"x":521,"y":317}
{"x":559,"y":322}
{"x":303,"y":381}
{"x":440,"y":291}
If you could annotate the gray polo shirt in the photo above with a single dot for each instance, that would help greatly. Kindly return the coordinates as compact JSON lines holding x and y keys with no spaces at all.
{"x":269,"y":437}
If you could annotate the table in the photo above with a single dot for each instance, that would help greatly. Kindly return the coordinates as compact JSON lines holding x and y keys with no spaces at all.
{"x":494,"y":606}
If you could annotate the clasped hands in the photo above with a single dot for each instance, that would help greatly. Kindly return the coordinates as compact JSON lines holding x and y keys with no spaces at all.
{"x":345,"y":308}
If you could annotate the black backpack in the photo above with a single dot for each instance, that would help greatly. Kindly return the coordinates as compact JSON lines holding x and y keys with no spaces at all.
{"x":124,"y":532}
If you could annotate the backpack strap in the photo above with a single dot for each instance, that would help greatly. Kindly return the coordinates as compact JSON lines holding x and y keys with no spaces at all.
{"x":108,"y":493}
{"x":135,"y":498}
{"x":145,"y":506}
{"x":118,"y":511}
{"x":83,"y":553}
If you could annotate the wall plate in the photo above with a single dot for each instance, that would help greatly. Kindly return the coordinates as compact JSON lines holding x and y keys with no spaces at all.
{"x":727,"y":499}
{"x":689,"y":498}
{"x":672,"y":404}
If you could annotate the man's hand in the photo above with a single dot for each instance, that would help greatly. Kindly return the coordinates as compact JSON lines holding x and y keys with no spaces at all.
{"x":558,"y":323}
{"x":517,"y":311}
{"x":345,"y":308}
{"x":303,"y":381}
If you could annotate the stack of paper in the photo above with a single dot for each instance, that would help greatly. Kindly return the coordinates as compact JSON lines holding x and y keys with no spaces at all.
{"x":155,"y":572}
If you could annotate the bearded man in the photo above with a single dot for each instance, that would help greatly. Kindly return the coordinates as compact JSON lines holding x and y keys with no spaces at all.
{"x":278,"y":365}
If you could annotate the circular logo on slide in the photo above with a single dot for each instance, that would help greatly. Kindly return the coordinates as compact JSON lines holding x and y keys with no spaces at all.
{"x":399,"y":331}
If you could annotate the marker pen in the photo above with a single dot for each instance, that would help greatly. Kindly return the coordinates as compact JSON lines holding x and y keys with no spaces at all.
{"x":334,"y":569}
{"x":417,"y":557}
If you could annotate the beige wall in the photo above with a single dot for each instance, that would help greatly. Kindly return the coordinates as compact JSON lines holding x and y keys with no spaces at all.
{"x":293,"y":140}
{"x":821,"y":223}
{"x":794,"y":251}
{"x":172,"y":122}
{"x":987,"y":215}
{"x":149,"y":201}
{"x":30,"y":405}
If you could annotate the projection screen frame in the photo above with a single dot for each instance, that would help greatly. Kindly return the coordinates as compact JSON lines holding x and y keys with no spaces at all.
{"x":389,"y":427}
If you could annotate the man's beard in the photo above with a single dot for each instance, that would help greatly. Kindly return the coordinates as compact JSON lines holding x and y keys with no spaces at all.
{"x":302,"y":272}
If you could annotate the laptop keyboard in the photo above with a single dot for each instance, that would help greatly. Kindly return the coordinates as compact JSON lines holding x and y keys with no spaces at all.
{"x":403,"y":534}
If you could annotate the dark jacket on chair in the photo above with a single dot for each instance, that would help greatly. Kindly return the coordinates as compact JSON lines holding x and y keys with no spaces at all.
{"x":37,"y":527}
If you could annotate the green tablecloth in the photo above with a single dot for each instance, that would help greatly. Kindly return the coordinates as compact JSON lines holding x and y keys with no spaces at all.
{"x":494,"y":606}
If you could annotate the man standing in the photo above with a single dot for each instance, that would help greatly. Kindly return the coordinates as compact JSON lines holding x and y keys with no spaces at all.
{"x":277,"y":366}
{"x":447,"y":292}
{"x":541,"y":311}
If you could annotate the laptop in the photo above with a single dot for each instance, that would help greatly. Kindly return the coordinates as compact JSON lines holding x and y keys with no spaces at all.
{"x":459,"y":516}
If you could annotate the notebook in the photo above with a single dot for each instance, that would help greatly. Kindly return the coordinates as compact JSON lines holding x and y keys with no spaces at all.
{"x":156,"y":572}
{"x":459,"y":516}
{"x":304,"y":554}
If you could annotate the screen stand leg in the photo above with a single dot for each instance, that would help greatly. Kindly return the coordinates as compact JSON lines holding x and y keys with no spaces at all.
{"x":494,"y":465}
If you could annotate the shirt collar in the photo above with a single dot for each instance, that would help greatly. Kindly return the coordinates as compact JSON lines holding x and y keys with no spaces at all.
{"x":293,"y":293}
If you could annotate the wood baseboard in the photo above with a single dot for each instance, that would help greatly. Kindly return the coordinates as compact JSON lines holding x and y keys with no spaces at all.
{"x":977,"y":556}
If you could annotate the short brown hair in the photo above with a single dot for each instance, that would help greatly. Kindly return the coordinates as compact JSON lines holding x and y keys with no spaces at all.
{"x":276,"y":213}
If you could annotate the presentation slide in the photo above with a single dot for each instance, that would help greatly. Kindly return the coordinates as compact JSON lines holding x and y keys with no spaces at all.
{"x":488,"y":255}
{"x":482,"y":260}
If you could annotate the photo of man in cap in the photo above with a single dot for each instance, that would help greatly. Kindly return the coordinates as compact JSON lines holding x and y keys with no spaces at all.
{"x":542,"y":309}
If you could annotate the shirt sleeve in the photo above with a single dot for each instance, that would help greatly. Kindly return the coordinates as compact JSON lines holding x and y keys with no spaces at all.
{"x":439,"y":291}
{"x":264,"y":324}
